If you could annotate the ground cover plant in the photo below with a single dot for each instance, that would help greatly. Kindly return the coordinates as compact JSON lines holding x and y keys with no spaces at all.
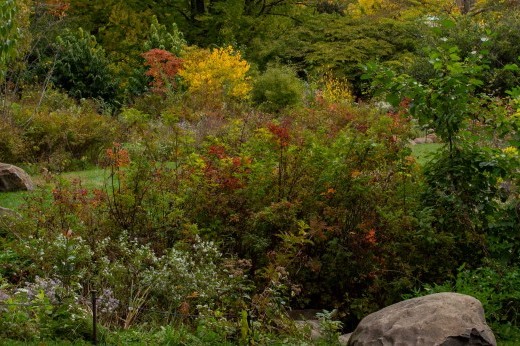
{"x":208,"y":171}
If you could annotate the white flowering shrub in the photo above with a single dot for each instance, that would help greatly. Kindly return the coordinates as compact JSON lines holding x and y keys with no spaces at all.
{"x":186,"y":275}
{"x":147,"y":286}
{"x":65,"y":257}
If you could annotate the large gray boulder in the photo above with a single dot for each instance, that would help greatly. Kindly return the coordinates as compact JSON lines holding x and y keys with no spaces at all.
{"x":447,"y":319}
{"x":14,"y":178}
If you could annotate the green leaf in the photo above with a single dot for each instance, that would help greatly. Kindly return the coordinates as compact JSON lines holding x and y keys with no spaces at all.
{"x":511,"y":67}
{"x":474,"y":81}
{"x":393,"y":99}
{"x":447,"y":23}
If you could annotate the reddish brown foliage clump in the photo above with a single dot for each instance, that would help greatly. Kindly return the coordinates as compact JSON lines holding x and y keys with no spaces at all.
{"x":57,"y":8}
{"x":164,"y":66}
{"x":224,"y":170}
{"x":281,"y":133}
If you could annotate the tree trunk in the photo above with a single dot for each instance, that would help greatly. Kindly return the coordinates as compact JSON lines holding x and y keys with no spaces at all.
{"x":465,"y":5}
{"x":197,"y":8}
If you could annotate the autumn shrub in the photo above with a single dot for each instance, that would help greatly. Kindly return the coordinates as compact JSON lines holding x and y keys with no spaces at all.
{"x":60,"y":134}
{"x":163,"y":68}
{"x":12,"y":146}
{"x":136,"y":123}
{"x":161,"y":137}
{"x":152,"y":103}
{"x":277,"y":88}
{"x":131,"y":242}
{"x":332,"y":89}
{"x":333,"y":209}
{"x":215,"y":76}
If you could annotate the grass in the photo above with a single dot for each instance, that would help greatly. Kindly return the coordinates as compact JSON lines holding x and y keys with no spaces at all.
{"x":90,"y":179}
{"x":423,"y":153}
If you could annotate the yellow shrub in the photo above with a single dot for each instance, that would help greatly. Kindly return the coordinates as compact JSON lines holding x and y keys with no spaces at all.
{"x":216,"y":74}
{"x":410,"y":9}
{"x":335,"y":90}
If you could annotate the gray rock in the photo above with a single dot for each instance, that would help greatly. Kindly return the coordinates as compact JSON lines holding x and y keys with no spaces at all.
{"x":14,"y":178}
{"x":307,"y":321}
{"x":428,"y":138}
{"x":310,"y":326}
{"x":343,"y":339}
{"x":446,"y":319}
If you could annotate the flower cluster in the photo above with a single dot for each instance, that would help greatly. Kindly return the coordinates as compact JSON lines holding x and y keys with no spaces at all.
{"x":51,"y":288}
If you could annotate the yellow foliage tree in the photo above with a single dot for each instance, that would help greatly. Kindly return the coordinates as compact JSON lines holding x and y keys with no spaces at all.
{"x":403,"y":8}
{"x":216,"y":74}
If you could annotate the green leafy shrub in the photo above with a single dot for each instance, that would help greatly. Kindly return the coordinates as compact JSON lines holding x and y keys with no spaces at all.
{"x":8,"y":34}
{"x":462,"y":186}
{"x":329,"y":327}
{"x":490,"y":36}
{"x":82,"y":68}
{"x":455,"y":76}
{"x":277,"y":88}
{"x":59,"y":134}
{"x":159,"y":37}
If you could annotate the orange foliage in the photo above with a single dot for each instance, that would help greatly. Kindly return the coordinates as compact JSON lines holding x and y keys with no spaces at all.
{"x":57,"y":8}
{"x":116,"y":157}
{"x":370,"y":237}
{"x":164,"y":66}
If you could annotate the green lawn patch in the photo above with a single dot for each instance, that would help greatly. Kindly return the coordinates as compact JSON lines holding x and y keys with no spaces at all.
{"x":424,"y":153}
{"x":90,"y":179}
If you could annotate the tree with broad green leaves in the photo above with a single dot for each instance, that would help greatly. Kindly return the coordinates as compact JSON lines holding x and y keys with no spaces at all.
{"x":444,"y":101}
